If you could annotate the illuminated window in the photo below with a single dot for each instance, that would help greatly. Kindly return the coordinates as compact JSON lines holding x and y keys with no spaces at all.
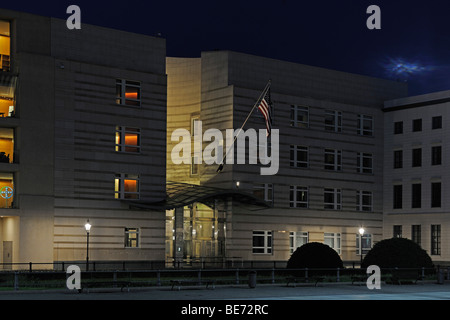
{"x":6,"y":145}
{"x":128,"y":139}
{"x":5,"y":46}
{"x":297,"y":239}
{"x":131,"y":237}
{"x":366,"y":243}
{"x":128,"y":92}
{"x":333,"y":240}
{"x":7,"y":95}
{"x":6,"y":190}
{"x":126,"y":186}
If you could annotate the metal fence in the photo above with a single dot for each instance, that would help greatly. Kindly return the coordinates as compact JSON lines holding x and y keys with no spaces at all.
{"x":45,"y":279}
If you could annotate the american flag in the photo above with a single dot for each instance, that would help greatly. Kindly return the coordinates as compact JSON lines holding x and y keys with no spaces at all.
{"x":265,"y":107}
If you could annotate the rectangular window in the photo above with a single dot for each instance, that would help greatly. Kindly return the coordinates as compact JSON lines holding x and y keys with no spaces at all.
{"x":8,"y":85}
{"x":333,"y":240}
{"x":364,"y":163}
{"x":417,"y":125}
{"x":131,"y":237}
{"x":398,"y":196}
{"x":364,"y":201}
{"x":6,"y":190}
{"x":435,"y":239}
{"x":416,"y":195}
{"x":6,"y":145}
{"x":333,"y":120}
{"x":5,"y":46}
{"x":333,"y":160}
{"x":398,"y":159}
{"x":435,"y":194}
{"x":365,"y":125}
{"x":263,"y":191}
{"x":297,"y":239}
{"x":416,"y":234}
{"x":436,"y":155}
{"x":398,"y":127}
{"x":365,"y":243}
{"x":128,"y":139}
{"x":298,"y":197}
{"x":126,"y":186}
{"x":299,"y":116}
{"x":417,"y":157}
{"x":262,"y":242}
{"x":128,"y":93}
{"x":436,"y":122}
{"x":397,"y":231}
{"x":298,"y":156}
{"x":332,"y":199}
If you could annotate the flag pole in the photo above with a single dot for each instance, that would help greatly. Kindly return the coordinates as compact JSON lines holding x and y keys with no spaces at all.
{"x":220,"y":168}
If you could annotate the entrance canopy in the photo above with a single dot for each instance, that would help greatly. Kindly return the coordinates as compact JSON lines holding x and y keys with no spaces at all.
{"x":183,"y":194}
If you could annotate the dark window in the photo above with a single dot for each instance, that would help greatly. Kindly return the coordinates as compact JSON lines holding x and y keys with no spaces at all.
{"x":398,"y":196}
{"x":416,"y":201}
{"x":435,"y":194}
{"x":417,"y":157}
{"x":417,"y":125}
{"x":416,"y":234}
{"x":436,"y":239}
{"x":398,"y":127}
{"x":398,"y":159}
{"x":436,"y":155}
{"x":397,"y":232}
{"x":436,"y":122}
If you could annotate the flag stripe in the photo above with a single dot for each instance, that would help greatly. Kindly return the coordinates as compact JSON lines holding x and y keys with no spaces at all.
{"x":265,"y":108}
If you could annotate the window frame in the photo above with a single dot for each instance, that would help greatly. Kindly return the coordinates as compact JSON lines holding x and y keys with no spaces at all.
{"x":294,"y":152}
{"x":360,"y":206}
{"x":119,"y":190}
{"x":435,"y":241}
{"x":267,"y":247}
{"x":266,"y":188}
{"x":336,"y":240}
{"x":335,"y":125}
{"x":362,"y":118}
{"x":360,"y":157}
{"x":122,"y":131}
{"x":294,"y":202}
{"x":297,"y":110}
{"x":128,"y":240}
{"x":296,"y":235}
{"x":336,"y":203}
{"x":121,"y":90}
{"x":336,"y":164}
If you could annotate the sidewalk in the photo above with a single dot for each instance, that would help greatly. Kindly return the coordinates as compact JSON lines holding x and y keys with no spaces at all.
{"x":326,"y":291}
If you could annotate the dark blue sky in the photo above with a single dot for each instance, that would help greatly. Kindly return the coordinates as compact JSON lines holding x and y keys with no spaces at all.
{"x":413,"y":44}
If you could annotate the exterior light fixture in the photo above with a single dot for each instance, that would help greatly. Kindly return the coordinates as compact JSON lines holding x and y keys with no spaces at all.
{"x":87,"y":227}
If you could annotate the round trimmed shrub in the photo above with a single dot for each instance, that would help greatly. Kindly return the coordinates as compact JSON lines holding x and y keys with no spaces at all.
{"x":315,"y":255}
{"x":397,"y":252}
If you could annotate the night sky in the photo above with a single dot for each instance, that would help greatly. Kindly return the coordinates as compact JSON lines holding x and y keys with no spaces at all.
{"x":413,"y":44}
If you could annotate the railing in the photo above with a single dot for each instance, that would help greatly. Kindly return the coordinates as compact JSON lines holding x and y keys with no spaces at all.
{"x":44,"y":279}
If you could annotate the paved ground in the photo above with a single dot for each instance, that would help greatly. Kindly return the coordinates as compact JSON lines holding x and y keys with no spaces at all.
{"x":326,"y":291}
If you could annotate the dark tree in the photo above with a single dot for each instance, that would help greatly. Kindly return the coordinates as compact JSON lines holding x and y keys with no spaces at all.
{"x":315,"y":255}
{"x":397,"y":252}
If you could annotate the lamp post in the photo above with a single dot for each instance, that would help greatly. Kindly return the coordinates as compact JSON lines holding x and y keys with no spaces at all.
{"x":87,"y":226}
{"x":361,"y":233}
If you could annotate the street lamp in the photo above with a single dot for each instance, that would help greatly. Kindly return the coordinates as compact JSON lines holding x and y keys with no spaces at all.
{"x":87,"y":226}
{"x":361,"y":233}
